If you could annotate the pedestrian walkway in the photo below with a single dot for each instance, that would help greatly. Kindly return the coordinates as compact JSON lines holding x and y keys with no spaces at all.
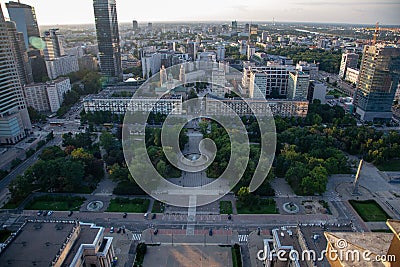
{"x":243,"y":238}
{"x":136,"y":236}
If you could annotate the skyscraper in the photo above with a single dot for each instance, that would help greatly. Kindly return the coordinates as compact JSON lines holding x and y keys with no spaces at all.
{"x":377,"y":82}
{"x":105,"y":12}
{"x":14,"y":117}
{"x":135,"y":25}
{"x":298,"y":84}
{"x":20,"y":54}
{"x":25,"y":19}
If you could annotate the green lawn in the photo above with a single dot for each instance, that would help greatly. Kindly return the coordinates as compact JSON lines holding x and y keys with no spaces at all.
{"x":136,"y":205}
{"x":266,"y":206}
{"x":158,"y":207}
{"x":225,"y":207}
{"x":391,"y":165}
{"x":370,"y":211}
{"x":60,"y":203}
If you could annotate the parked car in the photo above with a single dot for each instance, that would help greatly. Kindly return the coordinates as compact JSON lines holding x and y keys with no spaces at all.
{"x":125,"y":215}
{"x":210,"y":232}
{"x":153,"y":216}
{"x":112,"y":229}
{"x":49,"y":213}
{"x":155,"y":231}
{"x":146,"y":215}
{"x":39,"y":212}
{"x":70,"y":213}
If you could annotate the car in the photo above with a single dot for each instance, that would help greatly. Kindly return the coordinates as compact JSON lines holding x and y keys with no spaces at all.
{"x":146,"y":215}
{"x":155,"y":231}
{"x":210,"y":232}
{"x":39,"y":212}
{"x":229,"y":217}
{"x":119,"y":230}
{"x":112,"y":229}
{"x":49,"y":213}
{"x":125,"y":215}
{"x":70,"y":213}
{"x":153,"y":216}
{"x":45,"y":213}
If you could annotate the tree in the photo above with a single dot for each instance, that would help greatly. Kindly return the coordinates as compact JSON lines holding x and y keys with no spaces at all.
{"x":107,"y":141}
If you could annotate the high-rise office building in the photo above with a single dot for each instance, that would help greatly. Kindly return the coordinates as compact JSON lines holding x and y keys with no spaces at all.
{"x":25,"y":19}
{"x":135,"y":25}
{"x":54,"y":44}
{"x":221,"y":53}
{"x":14,"y":118}
{"x":349,"y":60}
{"x":192,"y":50}
{"x":105,"y":12}
{"x":20,"y":54}
{"x":234,"y":26}
{"x":377,"y":83}
{"x":298,"y":85}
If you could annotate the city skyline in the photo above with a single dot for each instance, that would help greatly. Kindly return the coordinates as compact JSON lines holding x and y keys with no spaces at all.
{"x":355,"y":12}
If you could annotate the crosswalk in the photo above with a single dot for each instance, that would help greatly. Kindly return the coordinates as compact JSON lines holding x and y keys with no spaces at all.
{"x":136,"y":236}
{"x":243,"y":238}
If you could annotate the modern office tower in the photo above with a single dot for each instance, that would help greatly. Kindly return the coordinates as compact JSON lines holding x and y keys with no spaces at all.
{"x":258,"y":85}
{"x":135,"y":25}
{"x":298,"y":85}
{"x":221,"y":53}
{"x":349,"y":60}
{"x":54,"y":44}
{"x":247,"y":27}
{"x":25,"y":19}
{"x":377,"y":82}
{"x":47,"y":97}
{"x":234,"y":26}
{"x":149,"y":26}
{"x":192,"y":50}
{"x":264,"y":36}
{"x":105,"y":12}
{"x":14,"y":118}
{"x":21,"y":56}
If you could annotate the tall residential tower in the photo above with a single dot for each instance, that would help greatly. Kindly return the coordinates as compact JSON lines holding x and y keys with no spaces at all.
{"x":105,"y":13}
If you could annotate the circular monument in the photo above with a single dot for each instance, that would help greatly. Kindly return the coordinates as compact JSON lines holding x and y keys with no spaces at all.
{"x":95,"y":205}
{"x":290,"y":207}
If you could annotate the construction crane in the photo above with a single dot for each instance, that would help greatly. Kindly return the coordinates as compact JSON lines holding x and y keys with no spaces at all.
{"x":376,"y":33}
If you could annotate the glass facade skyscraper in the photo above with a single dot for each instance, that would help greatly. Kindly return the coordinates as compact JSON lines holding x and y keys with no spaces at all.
{"x":377,"y":82}
{"x":24,"y":17}
{"x":105,"y":13}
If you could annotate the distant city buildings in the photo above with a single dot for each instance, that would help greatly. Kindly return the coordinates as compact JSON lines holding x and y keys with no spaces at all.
{"x":135,"y":25}
{"x":377,"y":82}
{"x":47,"y":97}
{"x":105,"y":13}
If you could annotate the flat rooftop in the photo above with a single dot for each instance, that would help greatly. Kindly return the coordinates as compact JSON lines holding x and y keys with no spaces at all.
{"x":36,"y":244}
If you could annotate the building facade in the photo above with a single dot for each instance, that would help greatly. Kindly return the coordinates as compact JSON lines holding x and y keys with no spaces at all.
{"x":14,"y":118}
{"x":377,"y":82}
{"x":54,"y":45}
{"x":166,"y":105}
{"x":105,"y":12}
{"x":61,"y":66}
{"x":352,"y":75}
{"x":349,"y":60}
{"x":298,"y":85}
{"x":47,"y":97}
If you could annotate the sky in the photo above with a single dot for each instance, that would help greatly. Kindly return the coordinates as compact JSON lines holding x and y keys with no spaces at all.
{"x":52,"y":12}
